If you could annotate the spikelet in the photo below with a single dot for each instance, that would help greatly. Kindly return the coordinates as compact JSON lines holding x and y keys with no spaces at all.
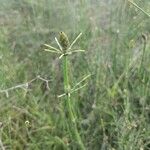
{"x":64,"y":41}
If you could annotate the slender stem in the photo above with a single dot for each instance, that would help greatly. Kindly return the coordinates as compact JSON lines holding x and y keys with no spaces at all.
{"x":68,"y":106}
{"x":66,"y":75}
{"x":143,"y":53}
{"x":134,"y":4}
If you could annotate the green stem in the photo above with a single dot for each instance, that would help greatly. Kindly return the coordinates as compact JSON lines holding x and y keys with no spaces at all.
{"x":68,"y":106}
{"x":143,"y":55}
{"x":134,"y":4}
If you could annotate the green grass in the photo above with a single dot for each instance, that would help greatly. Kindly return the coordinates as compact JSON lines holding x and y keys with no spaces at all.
{"x":112,"y":111}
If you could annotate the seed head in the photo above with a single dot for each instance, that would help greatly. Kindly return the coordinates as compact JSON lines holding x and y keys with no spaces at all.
{"x":64,"y":41}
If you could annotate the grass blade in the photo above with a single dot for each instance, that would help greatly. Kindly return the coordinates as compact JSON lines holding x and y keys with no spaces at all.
{"x":134,"y":4}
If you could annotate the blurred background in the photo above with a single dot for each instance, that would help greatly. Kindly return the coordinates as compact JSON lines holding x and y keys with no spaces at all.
{"x":113,"y":109}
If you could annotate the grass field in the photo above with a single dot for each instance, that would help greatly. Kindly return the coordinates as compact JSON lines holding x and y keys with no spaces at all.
{"x":112,"y":110}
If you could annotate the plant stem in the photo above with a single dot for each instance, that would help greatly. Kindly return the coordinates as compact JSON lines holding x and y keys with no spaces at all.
{"x":143,"y":54}
{"x":68,"y":106}
{"x":134,"y":4}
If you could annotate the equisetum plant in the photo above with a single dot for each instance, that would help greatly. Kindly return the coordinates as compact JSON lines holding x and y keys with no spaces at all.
{"x":65,"y":49}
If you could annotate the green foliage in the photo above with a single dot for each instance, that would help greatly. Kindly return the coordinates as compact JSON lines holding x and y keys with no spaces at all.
{"x":112,"y":110}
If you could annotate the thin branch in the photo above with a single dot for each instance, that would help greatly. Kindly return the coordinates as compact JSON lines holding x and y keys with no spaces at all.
{"x":59,"y":96}
{"x":75,"y":41}
{"x":71,"y":52}
{"x":24,"y":85}
{"x":58,"y":44}
{"x":52,"y":51}
{"x":51,"y":47}
{"x":61,"y":56}
{"x":74,"y":90}
{"x":79,"y":50}
{"x":77,"y":84}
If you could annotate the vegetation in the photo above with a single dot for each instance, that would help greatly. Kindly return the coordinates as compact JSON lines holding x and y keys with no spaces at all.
{"x":91,"y":91}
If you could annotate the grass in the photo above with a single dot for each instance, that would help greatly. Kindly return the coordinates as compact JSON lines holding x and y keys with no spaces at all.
{"x":112,"y":111}
{"x":65,"y":49}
